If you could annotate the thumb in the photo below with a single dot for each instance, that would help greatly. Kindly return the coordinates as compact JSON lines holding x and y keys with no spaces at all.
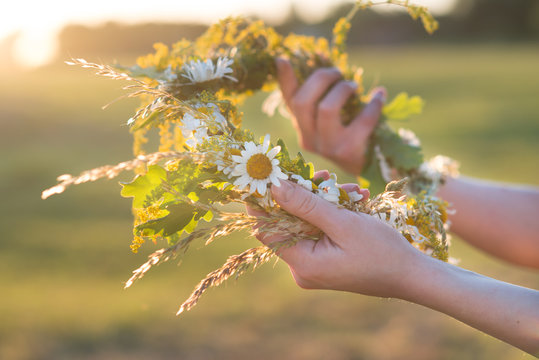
{"x":307,"y":206}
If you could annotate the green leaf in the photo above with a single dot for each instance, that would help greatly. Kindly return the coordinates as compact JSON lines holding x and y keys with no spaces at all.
{"x":180,"y":217}
{"x":402,"y":107}
{"x":374,"y":175}
{"x":284,"y":150}
{"x":371,"y":171}
{"x":398,"y":153}
{"x":306,"y":170}
{"x":143,"y":185}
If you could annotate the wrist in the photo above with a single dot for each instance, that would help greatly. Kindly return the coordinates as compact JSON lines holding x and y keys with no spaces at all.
{"x":423,"y":278}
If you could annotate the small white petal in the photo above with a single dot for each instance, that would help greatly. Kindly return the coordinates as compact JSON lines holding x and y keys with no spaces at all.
{"x":271,"y":154}
{"x":250,"y":147}
{"x":355,"y":196}
{"x":280,"y":174}
{"x":261,"y":187}
{"x":266,"y":143}
{"x":239,"y":159}
{"x":238,"y":171}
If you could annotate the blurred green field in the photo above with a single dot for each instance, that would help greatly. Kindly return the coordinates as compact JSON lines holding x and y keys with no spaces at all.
{"x":63,"y":261}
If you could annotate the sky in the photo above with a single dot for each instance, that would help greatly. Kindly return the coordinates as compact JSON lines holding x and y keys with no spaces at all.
{"x":38,"y":22}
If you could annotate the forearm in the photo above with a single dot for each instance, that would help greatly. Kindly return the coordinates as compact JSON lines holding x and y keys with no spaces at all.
{"x":497,"y":218}
{"x":505,"y":311}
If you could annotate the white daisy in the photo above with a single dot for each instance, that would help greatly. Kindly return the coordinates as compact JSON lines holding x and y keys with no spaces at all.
{"x":329,"y":190}
{"x":257,"y":167}
{"x":195,"y":128}
{"x":197,"y":71}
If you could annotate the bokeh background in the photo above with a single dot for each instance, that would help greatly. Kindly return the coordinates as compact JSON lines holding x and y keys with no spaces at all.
{"x":63,"y":261}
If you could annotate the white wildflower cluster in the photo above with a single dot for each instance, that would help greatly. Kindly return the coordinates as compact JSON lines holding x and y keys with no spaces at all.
{"x":273,"y":102}
{"x":397,"y":216}
{"x":195,"y":125}
{"x":437,"y":168}
{"x":200,"y":71}
{"x":329,"y":189}
{"x":409,"y":137}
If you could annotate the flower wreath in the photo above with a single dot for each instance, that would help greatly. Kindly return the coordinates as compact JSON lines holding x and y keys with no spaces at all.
{"x":190,"y":93}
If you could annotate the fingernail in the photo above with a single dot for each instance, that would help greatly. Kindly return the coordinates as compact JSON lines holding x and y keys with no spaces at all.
{"x":380,"y":95}
{"x":282,"y":193}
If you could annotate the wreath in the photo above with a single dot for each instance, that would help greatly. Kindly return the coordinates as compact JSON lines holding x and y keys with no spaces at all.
{"x":190,"y":94}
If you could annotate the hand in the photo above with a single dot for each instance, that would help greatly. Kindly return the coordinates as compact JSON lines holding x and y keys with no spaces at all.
{"x":316,"y":107}
{"x":361,"y":254}
{"x":357,"y":252}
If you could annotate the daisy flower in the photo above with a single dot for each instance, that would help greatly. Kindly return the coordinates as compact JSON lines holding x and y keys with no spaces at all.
{"x":198,"y":71}
{"x":329,"y":190}
{"x":195,"y":128}
{"x":257,"y":167}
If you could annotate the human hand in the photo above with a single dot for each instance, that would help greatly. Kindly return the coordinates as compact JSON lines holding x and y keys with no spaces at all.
{"x":356,"y":253}
{"x":316,"y":107}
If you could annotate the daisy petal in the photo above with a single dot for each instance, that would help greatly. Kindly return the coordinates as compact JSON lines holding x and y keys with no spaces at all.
{"x":239,"y":159}
{"x":271,"y":154}
{"x":261,"y":187}
{"x":266,"y":143}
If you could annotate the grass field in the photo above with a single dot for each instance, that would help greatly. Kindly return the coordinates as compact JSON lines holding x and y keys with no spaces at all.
{"x":63,"y":261}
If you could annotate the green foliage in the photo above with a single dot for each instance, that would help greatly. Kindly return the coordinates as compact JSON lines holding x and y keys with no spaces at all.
{"x":403,"y":106}
{"x":398,"y":153}
{"x":178,"y":219}
{"x":296,"y":166}
{"x":143,"y":185}
{"x":305,"y":169}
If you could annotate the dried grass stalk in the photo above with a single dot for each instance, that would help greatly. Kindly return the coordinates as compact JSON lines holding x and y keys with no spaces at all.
{"x":236,"y":264}
{"x":111,"y":171}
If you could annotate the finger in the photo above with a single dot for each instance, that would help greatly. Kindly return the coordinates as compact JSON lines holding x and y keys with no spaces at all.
{"x":364,"y":123}
{"x":350,"y":187}
{"x":321,"y":174}
{"x":309,"y":207}
{"x":328,"y":120}
{"x":287,"y":79}
{"x":366,"y":194}
{"x":305,"y":100}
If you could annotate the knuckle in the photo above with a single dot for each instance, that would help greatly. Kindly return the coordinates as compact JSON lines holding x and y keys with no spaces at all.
{"x":307,"y":204}
{"x":327,"y":109}
{"x":326,"y":73}
{"x":297,"y":103}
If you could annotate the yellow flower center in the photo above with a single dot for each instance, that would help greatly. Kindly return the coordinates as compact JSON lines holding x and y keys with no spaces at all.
{"x":259,"y":166}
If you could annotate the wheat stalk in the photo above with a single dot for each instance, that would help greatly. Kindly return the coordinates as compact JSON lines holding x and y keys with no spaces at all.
{"x":111,"y":171}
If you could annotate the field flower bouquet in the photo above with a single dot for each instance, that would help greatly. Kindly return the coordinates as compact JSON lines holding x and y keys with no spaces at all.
{"x":190,"y":95}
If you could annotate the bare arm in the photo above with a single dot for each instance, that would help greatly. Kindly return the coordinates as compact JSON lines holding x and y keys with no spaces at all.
{"x":500,"y":219}
{"x":505,"y":311}
{"x":361,"y":254}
